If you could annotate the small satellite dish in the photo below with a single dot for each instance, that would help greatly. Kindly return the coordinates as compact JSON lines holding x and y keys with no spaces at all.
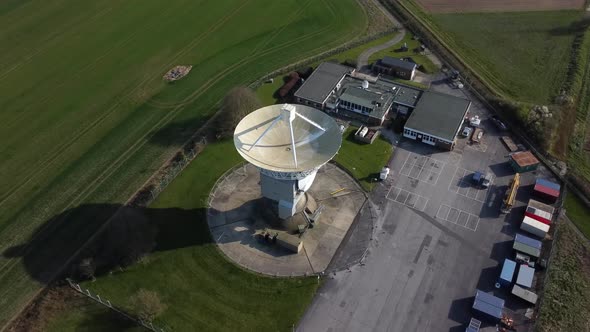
{"x":365,"y":84}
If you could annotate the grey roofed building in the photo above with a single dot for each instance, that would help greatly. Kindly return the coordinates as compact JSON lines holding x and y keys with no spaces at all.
{"x":321,"y":83}
{"x":438,"y":115}
{"x":360,"y":97}
{"x":394,"y":62}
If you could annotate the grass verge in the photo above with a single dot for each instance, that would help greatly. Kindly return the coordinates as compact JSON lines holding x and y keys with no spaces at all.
{"x":578,"y":213}
{"x":363,"y":161}
{"x":566,"y":297}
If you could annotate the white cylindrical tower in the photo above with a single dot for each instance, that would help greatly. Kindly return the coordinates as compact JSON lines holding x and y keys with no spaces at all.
{"x":288,"y":143}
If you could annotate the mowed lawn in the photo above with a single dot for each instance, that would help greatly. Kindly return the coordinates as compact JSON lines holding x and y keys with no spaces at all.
{"x":85,"y":117}
{"x":524,"y":55}
{"x":363,"y":161}
{"x":202,"y":290}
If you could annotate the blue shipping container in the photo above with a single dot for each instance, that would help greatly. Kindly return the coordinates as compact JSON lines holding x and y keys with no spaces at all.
{"x":489,"y":305}
{"x":507,"y":272}
{"x":528,"y":241}
{"x":548,"y":184}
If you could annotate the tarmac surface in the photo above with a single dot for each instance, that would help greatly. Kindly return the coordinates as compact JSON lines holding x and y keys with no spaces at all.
{"x":435,"y":239}
{"x":235,"y":222}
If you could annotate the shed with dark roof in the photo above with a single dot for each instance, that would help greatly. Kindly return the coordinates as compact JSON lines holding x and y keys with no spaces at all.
{"x":395,"y":67}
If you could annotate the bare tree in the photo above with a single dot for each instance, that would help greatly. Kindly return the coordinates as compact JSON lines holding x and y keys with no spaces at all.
{"x":238,"y":103}
{"x":147,"y":305}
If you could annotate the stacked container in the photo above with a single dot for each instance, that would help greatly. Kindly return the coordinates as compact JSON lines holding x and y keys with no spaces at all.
{"x":527,"y":245}
{"x":546,"y":190}
{"x":539,"y":211}
{"x":534,"y":227}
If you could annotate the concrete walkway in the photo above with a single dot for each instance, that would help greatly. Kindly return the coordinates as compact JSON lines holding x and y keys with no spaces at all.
{"x":363,"y":59}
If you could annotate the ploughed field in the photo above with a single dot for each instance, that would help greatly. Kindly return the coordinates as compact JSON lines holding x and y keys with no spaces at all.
{"x":85,"y":117}
{"x":462,"y":6}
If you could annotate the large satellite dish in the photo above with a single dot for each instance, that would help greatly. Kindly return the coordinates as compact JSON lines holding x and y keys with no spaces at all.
{"x":287,"y":138}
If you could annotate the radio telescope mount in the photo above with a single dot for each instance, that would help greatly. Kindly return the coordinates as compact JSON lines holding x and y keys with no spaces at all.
{"x":287,"y":196}
{"x":288,"y":143}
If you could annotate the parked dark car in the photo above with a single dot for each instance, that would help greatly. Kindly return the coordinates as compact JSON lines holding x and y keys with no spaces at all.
{"x":499,"y":123}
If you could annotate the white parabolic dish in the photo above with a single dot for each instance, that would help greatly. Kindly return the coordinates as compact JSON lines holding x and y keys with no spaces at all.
{"x":264,"y":138}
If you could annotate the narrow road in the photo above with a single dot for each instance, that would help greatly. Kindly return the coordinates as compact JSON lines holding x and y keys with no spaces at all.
{"x":363,"y":59}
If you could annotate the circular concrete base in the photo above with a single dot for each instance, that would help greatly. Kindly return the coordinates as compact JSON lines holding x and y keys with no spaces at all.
{"x":237,"y":218}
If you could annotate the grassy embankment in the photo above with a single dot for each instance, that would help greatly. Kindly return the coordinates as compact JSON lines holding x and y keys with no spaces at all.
{"x":566,"y":297}
{"x":86,"y":117}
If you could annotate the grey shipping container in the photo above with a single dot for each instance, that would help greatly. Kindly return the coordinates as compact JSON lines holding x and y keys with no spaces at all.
{"x":524,"y":294}
{"x":525,"y":249}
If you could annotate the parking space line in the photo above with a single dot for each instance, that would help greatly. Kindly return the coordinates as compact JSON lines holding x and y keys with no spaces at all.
{"x":471,"y":221}
{"x":463,"y":187}
{"x":422,"y":165}
{"x":406,"y":201}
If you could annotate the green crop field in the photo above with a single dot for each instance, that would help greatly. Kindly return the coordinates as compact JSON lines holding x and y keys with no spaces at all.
{"x":524,"y":55}
{"x":85,"y":117}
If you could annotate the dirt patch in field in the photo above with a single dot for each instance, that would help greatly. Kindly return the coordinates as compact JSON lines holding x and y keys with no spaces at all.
{"x":466,"y":6}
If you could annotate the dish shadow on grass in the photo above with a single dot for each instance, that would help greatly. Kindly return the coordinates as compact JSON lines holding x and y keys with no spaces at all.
{"x":130,"y":234}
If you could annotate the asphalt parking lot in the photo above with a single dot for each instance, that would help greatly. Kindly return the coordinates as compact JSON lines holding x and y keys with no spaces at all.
{"x":436,"y":240}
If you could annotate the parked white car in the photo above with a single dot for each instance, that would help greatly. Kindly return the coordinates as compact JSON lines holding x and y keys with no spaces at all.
{"x":467,"y":131}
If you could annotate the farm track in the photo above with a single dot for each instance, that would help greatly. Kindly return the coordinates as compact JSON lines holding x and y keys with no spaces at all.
{"x":141,"y":141}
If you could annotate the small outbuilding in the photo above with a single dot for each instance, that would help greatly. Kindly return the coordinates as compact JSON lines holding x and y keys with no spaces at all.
{"x":523,"y":161}
{"x":395,"y":67}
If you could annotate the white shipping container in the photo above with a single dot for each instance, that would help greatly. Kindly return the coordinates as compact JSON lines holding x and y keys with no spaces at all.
{"x":534,"y":227}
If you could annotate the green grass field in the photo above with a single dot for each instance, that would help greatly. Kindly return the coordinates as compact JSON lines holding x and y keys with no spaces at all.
{"x":566,"y":297}
{"x":363,"y":161}
{"x":578,"y":213}
{"x":524,"y":55}
{"x":85,"y":117}
{"x":203,"y":290}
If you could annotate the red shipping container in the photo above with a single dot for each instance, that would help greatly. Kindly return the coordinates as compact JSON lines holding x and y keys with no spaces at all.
{"x":539,"y":211}
{"x":546,"y":193}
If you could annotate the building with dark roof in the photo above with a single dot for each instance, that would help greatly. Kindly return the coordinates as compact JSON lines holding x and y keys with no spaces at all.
{"x":371,"y":101}
{"x":395,"y":67}
{"x":437,"y":119}
{"x":324,"y":81}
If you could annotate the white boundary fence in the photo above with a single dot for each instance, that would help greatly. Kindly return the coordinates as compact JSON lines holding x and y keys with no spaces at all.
{"x":108,"y":304}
